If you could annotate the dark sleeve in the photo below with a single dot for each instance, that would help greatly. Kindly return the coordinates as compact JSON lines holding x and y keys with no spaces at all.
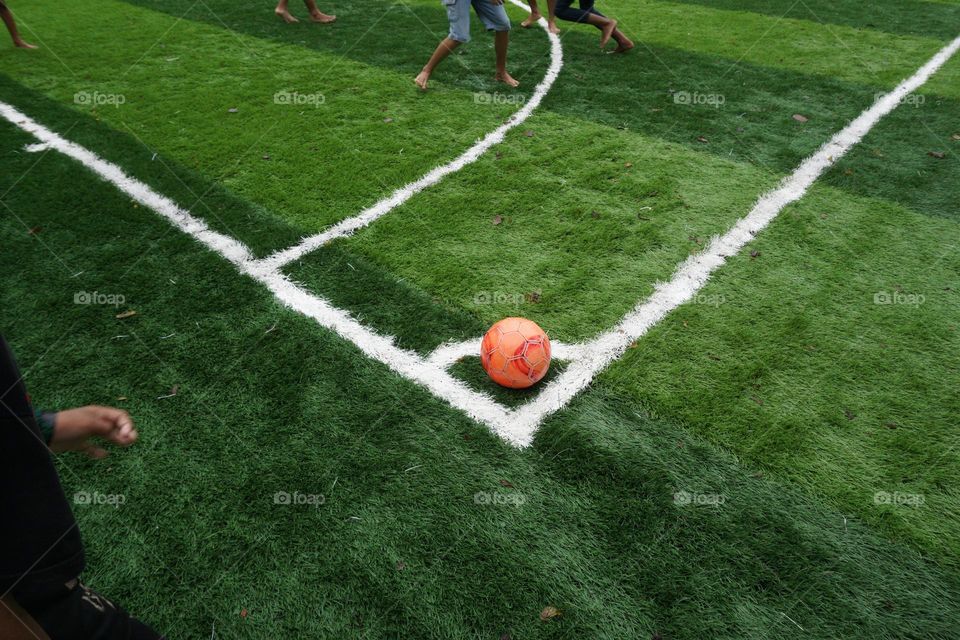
{"x":39,"y":540}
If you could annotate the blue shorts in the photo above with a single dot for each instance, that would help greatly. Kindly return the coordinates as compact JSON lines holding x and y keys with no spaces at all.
{"x":493,"y":16}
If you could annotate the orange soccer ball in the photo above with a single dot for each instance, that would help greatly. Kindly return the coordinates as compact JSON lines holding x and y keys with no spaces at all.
{"x":515,"y":353}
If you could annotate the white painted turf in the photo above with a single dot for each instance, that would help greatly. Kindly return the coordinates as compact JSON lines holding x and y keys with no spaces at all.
{"x":586,"y":360}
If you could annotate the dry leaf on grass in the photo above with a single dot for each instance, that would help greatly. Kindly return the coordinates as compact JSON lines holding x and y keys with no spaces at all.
{"x":549,"y":613}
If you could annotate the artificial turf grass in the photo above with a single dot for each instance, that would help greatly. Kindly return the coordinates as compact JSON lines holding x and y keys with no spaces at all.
{"x":222,"y":210}
{"x":764,"y":134}
{"x":298,"y":161}
{"x":231,"y":549}
{"x":390,"y":305}
{"x":908,"y":17}
{"x":900,"y":161}
{"x":201,"y":463}
{"x":754,"y":124}
{"x":798,"y":371}
{"x":802,"y":45}
{"x":589,"y":238}
{"x":256,"y":223}
{"x":297,"y":409}
{"x":834,"y":51}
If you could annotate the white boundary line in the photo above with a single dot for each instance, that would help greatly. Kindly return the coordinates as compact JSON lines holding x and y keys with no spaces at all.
{"x":349,"y":226}
{"x":407,"y":363}
{"x":694,"y":273}
{"x":516,"y":426}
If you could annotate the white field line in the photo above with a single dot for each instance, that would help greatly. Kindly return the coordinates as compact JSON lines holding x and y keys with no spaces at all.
{"x":350,"y":225}
{"x":407,"y":363}
{"x":694,"y":273}
{"x":516,"y":426}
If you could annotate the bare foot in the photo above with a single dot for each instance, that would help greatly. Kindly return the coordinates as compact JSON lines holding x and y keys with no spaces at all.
{"x":24,"y":45}
{"x":553,"y":28}
{"x":623,"y":46}
{"x":607,"y":31}
{"x":422,"y":79}
{"x":531,"y":20}
{"x":287,"y":17}
{"x":322,"y":17}
{"x":506,"y":78}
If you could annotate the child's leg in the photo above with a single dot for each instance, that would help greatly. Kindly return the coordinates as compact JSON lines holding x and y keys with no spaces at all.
{"x":283,"y":11}
{"x":552,"y":16}
{"x":444,"y":49}
{"x":458,"y":13}
{"x":534,"y":15}
{"x":623,"y":42}
{"x":316,"y":15}
{"x":501,"y":43}
{"x":12,"y":28}
{"x":587,"y":14}
{"x":494,"y":18}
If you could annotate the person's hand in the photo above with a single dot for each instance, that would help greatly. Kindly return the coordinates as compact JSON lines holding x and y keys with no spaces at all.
{"x":497,"y":2}
{"x":74,"y":429}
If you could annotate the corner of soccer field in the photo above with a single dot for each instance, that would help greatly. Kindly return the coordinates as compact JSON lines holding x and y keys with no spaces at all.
{"x":279,"y":256}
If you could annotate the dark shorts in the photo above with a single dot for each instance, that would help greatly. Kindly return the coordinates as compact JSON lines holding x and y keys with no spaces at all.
{"x":75,"y":612}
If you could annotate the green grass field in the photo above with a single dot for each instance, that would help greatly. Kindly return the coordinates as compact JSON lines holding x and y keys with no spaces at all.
{"x":776,"y":459}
